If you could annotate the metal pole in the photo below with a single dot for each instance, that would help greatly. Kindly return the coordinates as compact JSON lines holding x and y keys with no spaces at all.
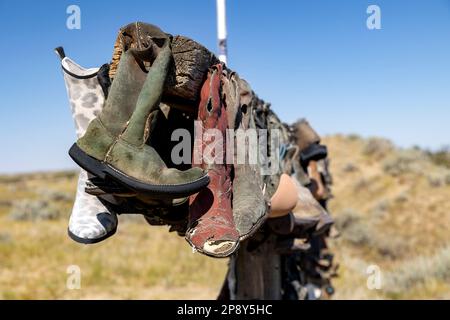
{"x":222,"y":30}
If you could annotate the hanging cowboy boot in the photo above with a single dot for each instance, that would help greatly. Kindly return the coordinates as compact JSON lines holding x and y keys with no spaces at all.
{"x":290,"y":245}
{"x":250,"y":208}
{"x":316,"y":186}
{"x":280,"y":187}
{"x":172,"y":212}
{"x":309,"y":213}
{"x":90,"y":221}
{"x":114,"y":143}
{"x":311,"y":217}
{"x":308,"y":142}
{"x":212,"y":230}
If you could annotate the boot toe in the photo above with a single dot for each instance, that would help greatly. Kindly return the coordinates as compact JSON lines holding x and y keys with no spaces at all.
{"x":191,"y":175}
{"x":220,"y":247}
{"x":214,"y":240}
{"x":89,"y":232}
{"x":89,"y":229}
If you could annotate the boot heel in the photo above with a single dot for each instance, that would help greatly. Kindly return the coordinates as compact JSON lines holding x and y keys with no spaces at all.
{"x":88,"y":163}
{"x":324,"y":225}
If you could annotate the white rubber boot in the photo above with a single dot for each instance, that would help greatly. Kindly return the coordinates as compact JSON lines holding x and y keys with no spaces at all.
{"x":90,"y":221}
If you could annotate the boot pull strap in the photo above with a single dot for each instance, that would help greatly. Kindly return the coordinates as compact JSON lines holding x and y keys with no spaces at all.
{"x":60,"y":52}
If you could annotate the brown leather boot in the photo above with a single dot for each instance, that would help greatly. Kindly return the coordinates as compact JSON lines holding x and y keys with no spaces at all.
{"x":212,"y":230}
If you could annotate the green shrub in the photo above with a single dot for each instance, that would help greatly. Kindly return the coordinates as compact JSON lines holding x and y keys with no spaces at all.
{"x":377,"y":147}
{"x":32,"y":210}
{"x":404,"y":162}
{"x":418,"y":270}
{"x":440,"y":157}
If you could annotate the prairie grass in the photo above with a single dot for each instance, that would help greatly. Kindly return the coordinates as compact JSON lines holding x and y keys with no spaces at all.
{"x":139,"y":262}
{"x":391,"y":205}
{"x":393,"y":212}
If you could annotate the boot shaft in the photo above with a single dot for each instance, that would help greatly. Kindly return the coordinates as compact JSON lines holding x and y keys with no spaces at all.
{"x":123,"y":94}
{"x":304,"y":135}
{"x":148,"y":100}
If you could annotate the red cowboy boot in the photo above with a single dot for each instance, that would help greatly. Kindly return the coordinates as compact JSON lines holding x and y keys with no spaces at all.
{"x":212,"y":230}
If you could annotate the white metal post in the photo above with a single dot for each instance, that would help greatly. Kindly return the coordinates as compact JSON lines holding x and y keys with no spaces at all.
{"x":222,"y":30}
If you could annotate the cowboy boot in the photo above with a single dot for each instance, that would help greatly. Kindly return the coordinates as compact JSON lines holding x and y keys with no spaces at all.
{"x":250,"y":207}
{"x":114,"y":143}
{"x":308,"y":141}
{"x":280,"y":187}
{"x":278,"y":139}
{"x":310,"y":216}
{"x":290,"y":245}
{"x":211,"y":229}
{"x":304,"y":135}
{"x":135,"y":35}
{"x":172,"y":212}
{"x":90,"y":221}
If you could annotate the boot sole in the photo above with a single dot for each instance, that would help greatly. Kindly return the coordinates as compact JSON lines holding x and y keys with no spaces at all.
{"x":104,"y":170}
{"x":100,"y":187}
{"x":209,"y":254}
{"x":256,"y":226}
{"x":283,"y":250}
{"x":323,"y":227}
{"x":90,"y":241}
{"x":314,"y":226}
{"x":303,"y":227}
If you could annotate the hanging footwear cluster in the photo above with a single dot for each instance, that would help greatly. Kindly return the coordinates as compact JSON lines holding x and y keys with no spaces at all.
{"x":125,"y":114}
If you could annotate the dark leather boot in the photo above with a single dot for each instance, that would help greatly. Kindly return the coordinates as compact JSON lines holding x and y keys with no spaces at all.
{"x":114,"y":143}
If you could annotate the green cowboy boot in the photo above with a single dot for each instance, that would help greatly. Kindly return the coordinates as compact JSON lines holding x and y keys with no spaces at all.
{"x":114,"y":145}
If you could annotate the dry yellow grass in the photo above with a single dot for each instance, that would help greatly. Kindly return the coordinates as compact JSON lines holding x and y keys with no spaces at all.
{"x":394,"y":216}
{"x":139,"y":262}
{"x":399,"y":218}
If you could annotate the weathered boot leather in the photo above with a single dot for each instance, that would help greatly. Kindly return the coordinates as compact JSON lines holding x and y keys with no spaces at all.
{"x":283,"y":225}
{"x":304,"y":135}
{"x":309,"y":213}
{"x":291,"y":245}
{"x":114,"y":144}
{"x":250,"y":208}
{"x":212,"y":230}
{"x":284,"y":199}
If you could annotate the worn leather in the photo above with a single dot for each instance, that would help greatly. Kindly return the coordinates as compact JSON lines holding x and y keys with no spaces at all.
{"x":313,"y":152}
{"x":118,"y":135}
{"x":250,"y":207}
{"x":136,"y":35}
{"x":283,"y":225}
{"x":304,"y":134}
{"x":316,"y":187}
{"x":265,"y":118}
{"x":211,"y":224}
{"x":117,"y":110}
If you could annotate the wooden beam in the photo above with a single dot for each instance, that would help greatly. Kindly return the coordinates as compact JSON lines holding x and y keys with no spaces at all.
{"x":192,"y":61}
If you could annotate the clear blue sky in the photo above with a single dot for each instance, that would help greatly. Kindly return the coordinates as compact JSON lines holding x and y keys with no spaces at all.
{"x":315,"y":59}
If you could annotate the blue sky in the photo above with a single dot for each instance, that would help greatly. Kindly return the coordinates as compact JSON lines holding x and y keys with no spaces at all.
{"x":313,"y":59}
